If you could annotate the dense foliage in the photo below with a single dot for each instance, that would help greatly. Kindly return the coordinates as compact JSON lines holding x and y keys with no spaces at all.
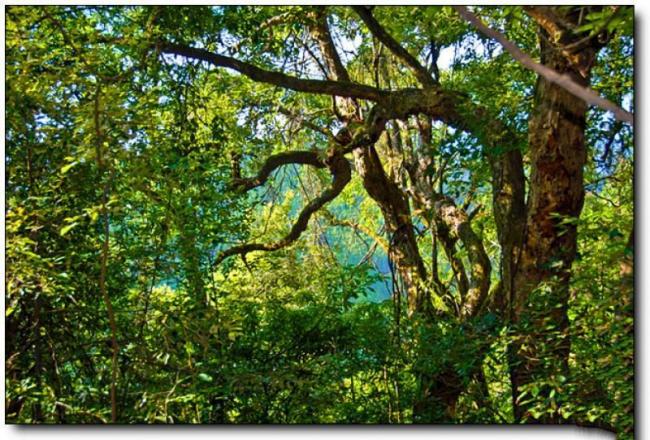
{"x":130,"y":295}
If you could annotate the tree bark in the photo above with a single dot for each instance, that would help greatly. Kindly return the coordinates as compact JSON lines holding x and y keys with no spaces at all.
{"x":403,"y":249}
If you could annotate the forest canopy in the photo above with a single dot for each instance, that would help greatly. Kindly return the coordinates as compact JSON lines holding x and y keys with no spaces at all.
{"x":310,"y":214}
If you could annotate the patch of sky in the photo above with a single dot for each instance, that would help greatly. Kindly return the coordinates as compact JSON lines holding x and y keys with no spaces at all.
{"x":465,"y":50}
{"x":627,"y":102}
{"x":609,"y":141}
{"x":446,"y":57}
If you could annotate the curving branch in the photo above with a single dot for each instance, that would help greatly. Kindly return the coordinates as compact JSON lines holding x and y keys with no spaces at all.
{"x":327,"y":87}
{"x":456,"y":110}
{"x":341,"y":175}
{"x":565,"y":81}
{"x":276,"y":161}
{"x":403,"y":248}
{"x":420,"y":72}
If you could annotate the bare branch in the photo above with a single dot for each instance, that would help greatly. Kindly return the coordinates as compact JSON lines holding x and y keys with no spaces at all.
{"x":313,"y":56}
{"x":326,"y":87}
{"x":565,"y":81}
{"x":420,"y":72}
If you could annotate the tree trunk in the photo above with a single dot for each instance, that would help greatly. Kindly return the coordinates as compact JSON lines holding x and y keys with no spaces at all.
{"x":542,"y":273}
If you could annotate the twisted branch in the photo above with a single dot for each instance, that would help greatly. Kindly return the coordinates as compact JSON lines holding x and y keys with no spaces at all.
{"x":341,"y":175}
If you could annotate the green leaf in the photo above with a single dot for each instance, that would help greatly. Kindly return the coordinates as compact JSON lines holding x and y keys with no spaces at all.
{"x":67,"y":228}
{"x":66,"y":168}
{"x":205,"y":377}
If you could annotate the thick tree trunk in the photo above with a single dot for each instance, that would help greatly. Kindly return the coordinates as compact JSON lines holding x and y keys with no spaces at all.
{"x":541,"y":280}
